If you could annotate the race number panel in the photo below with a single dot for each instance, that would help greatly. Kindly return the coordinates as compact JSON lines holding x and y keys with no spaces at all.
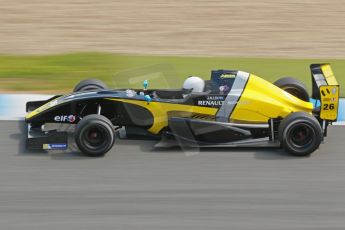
{"x":329,"y":102}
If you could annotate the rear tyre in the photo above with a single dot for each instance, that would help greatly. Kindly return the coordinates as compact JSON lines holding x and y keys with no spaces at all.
{"x":294,"y":87}
{"x":300,"y":134}
{"x":89,"y":84}
{"x":95,"y":135}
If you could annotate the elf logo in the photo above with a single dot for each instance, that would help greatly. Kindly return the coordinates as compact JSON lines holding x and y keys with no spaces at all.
{"x":65,"y":118}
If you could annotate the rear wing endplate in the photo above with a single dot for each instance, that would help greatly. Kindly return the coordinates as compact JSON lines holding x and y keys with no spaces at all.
{"x":326,"y":89}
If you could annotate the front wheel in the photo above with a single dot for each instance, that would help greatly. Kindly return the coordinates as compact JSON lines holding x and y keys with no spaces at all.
{"x":95,"y":135}
{"x":89,"y":84}
{"x":300,"y":134}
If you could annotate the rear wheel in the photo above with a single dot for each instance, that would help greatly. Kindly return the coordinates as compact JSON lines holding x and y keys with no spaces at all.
{"x":95,"y":135}
{"x":89,"y":84}
{"x":294,"y":87}
{"x":300,"y":134}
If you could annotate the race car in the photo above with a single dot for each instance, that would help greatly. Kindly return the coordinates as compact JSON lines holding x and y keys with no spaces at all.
{"x":232,"y":109}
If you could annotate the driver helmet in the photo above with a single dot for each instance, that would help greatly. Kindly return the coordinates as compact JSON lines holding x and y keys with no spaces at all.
{"x":196,"y":84}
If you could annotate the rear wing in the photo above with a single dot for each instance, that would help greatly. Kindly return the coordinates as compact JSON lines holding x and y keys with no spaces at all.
{"x":326,"y":89}
{"x":321,"y":74}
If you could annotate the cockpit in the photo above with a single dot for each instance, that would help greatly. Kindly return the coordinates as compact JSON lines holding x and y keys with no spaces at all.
{"x":220,"y":83}
{"x":193,"y":89}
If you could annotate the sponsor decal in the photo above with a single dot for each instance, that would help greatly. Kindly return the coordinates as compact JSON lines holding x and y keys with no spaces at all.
{"x":224,"y":88}
{"x":227,"y":75}
{"x":212,"y":101}
{"x":334,"y":90}
{"x":216,"y":97}
{"x":53,"y":103}
{"x":241,"y":102}
{"x":332,"y":99}
{"x":55,"y":146}
{"x":65,"y":118}
{"x":130,"y":93}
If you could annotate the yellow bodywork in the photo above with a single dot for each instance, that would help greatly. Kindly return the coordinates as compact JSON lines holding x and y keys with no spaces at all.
{"x":329,"y":75}
{"x":161,"y":110}
{"x":44,"y":107}
{"x":261,"y":100}
{"x":329,"y":95}
{"x":329,"y":102}
{"x":33,"y":113}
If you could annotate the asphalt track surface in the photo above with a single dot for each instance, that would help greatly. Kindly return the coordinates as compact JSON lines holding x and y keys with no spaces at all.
{"x":138,"y":187}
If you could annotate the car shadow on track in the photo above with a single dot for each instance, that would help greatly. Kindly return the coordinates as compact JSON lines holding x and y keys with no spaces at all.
{"x":146,"y":146}
{"x":260,"y":153}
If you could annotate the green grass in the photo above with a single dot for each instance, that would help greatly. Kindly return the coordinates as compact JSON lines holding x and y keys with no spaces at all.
{"x":56,"y":73}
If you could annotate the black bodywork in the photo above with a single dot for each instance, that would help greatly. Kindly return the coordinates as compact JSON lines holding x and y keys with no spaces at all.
{"x":196,"y":129}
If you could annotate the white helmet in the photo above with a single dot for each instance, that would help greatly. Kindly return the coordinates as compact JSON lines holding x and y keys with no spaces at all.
{"x":195,"y":83}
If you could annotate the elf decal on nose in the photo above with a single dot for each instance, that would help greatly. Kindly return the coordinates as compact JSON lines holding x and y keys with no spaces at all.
{"x":65,"y":118}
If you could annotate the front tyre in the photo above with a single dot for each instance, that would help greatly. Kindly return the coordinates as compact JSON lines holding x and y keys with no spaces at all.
{"x":89,"y":85}
{"x":95,"y":135}
{"x":300,"y":134}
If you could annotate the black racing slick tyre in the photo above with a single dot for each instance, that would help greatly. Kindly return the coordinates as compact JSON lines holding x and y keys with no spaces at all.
{"x":300,"y":134}
{"x":294,"y":87}
{"x":95,"y":135}
{"x":89,"y":84}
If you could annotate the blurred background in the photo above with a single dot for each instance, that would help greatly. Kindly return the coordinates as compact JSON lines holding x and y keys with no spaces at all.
{"x":47,"y":46}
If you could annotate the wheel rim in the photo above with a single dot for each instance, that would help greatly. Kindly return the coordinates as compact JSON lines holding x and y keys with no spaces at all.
{"x":301,"y":135}
{"x":95,"y":137}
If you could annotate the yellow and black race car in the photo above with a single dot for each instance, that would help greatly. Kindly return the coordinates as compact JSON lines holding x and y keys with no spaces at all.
{"x":233,"y":108}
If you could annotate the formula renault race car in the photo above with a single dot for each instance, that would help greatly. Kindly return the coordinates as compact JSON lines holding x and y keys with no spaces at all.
{"x":232,"y":109}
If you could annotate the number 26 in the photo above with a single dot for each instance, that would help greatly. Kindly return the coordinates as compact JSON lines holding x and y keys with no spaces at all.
{"x":328,"y":107}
